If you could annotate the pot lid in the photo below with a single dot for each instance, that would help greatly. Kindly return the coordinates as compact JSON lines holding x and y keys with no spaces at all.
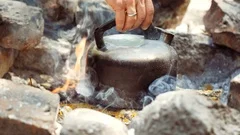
{"x":123,"y":41}
{"x":127,"y":47}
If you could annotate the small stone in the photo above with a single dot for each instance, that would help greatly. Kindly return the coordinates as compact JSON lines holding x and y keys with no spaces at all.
{"x":90,"y":122}
{"x":7,"y":57}
{"x":16,"y":79}
{"x":32,"y":82}
{"x":46,"y":85}
{"x":47,"y":78}
{"x":234,"y":94}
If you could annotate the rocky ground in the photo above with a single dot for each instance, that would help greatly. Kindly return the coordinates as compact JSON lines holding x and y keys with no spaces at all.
{"x":37,"y":51}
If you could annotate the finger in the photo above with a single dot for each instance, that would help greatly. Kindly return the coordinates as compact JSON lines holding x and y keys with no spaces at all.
{"x":141,"y":13}
{"x":120,"y":14}
{"x":120,"y":19}
{"x":131,"y":9}
{"x":109,"y":2}
{"x":149,"y":14}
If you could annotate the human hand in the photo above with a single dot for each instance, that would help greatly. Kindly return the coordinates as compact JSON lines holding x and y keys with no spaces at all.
{"x":131,"y":14}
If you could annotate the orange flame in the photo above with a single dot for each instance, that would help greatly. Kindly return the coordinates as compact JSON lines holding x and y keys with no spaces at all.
{"x":79,"y":51}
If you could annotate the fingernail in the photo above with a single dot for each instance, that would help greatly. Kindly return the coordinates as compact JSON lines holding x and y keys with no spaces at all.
{"x":119,"y":30}
{"x":123,"y":30}
{"x":144,"y":28}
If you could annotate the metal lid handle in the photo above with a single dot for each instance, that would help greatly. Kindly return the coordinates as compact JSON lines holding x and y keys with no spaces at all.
{"x":152,"y":33}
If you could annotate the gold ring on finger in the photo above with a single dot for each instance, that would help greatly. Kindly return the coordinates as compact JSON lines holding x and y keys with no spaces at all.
{"x":131,"y":14}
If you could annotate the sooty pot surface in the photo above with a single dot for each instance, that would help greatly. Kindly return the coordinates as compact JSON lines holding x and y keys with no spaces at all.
{"x":130,"y":63}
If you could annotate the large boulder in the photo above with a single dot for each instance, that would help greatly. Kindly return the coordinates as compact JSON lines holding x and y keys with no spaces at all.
{"x":21,"y":25}
{"x":91,"y":122}
{"x":186,"y":113}
{"x":222,"y":22}
{"x":202,"y":61}
{"x":7,"y":57}
{"x":26,"y":110}
{"x":48,"y":57}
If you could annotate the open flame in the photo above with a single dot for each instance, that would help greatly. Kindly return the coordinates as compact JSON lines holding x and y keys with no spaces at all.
{"x":71,"y":83}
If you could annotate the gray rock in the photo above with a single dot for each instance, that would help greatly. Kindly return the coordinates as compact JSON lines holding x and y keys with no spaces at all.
{"x":90,"y":122}
{"x":186,"y":113}
{"x":21,"y":25}
{"x":7,"y":57}
{"x":202,"y":61}
{"x":234,"y":94}
{"x":222,"y":22}
{"x":70,"y":8}
{"x":25,"y":110}
{"x":56,"y":11}
{"x":61,"y":12}
{"x":48,"y":57}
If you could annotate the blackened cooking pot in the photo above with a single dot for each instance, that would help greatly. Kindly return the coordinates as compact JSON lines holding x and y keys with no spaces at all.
{"x":130,"y":63}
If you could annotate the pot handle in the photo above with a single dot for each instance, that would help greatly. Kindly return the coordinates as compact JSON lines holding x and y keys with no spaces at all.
{"x":152,"y":33}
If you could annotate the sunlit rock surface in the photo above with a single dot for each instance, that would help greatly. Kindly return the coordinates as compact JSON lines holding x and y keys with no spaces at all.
{"x":26,"y":110}
{"x":222,"y":22}
{"x":21,"y":25}
{"x":186,"y":113}
{"x":48,"y":57}
{"x":91,"y":122}
{"x":202,"y":62}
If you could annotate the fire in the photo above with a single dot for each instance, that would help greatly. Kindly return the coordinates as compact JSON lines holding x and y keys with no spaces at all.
{"x":71,"y":83}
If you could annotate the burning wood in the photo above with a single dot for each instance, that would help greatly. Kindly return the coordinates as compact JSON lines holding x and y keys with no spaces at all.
{"x":71,"y":83}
